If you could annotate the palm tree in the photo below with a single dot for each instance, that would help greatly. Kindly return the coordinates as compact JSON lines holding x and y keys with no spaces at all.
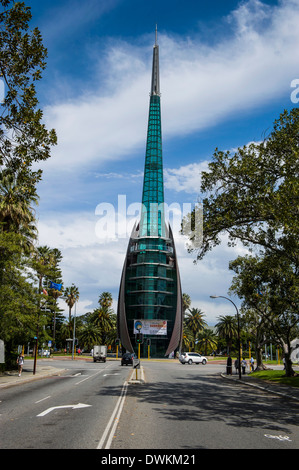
{"x":105,"y":300}
{"x":15,"y":202}
{"x":42,"y":263}
{"x":111,"y":335}
{"x":89,"y":336}
{"x":187,"y":339}
{"x":186,"y":302}
{"x":207,"y":340}
{"x":102,"y":317}
{"x":71,"y":297}
{"x":227,"y":329}
{"x":66,"y":330}
{"x":194,"y":321}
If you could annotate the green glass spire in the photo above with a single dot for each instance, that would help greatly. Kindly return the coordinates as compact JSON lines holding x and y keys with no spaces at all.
{"x":152,"y":214}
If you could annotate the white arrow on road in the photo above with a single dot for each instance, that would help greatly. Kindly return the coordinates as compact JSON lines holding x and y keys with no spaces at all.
{"x":74,"y":407}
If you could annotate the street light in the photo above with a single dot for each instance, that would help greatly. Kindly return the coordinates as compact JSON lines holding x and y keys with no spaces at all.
{"x":74,"y":333}
{"x":238,"y":318}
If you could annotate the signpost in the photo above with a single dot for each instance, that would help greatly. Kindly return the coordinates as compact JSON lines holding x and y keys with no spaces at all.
{"x":148,"y":347}
{"x":136,"y":363}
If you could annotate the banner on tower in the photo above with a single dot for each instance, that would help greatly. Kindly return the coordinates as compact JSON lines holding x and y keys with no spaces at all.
{"x":150,"y":327}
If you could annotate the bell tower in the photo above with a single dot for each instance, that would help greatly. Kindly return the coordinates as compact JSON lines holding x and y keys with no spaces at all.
{"x":150,"y":296}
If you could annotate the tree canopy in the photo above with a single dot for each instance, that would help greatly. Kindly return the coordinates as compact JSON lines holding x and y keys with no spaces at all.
{"x":252,"y":195}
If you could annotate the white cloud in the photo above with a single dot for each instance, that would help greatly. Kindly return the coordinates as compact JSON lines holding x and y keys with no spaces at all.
{"x":201,"y":85}
{"x":186,"y":178}
{"x":94,"y":265}
{"x":67,"y":230}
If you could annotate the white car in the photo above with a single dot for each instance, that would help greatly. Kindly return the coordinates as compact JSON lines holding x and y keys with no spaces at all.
{"x":192,"y":357}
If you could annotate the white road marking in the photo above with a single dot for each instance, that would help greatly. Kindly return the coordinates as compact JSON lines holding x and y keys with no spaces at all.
{"x":111,"y":426}
{"x":74,"y":407}
{"x":43,"y":399}
{"x":90,"y":376}
{"x":280,"y":438}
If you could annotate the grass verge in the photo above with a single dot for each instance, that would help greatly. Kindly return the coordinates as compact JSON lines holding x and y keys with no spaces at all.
{"x":277,"y":376}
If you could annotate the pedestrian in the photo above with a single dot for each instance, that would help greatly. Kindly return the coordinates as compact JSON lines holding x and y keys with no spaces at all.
{"x":20,"y":362}
{"x":237,"y":365}
{"x":252,"y":363}
{"x":244,"y":365}
{"x":229,"y":368}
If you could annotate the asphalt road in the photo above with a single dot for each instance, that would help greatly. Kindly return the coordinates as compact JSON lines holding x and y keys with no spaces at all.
{"x":39,"y":415}
{"x":193,"y":407}
{"x":92,"y":406}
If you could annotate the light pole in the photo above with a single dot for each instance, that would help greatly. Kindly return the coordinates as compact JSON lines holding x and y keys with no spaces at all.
{"x":74,"y":334}
{"x":238,"y":319}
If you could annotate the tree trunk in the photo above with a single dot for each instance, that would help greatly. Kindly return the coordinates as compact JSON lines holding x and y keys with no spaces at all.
{"x":259,"y":358}
{"x":287,"y":361}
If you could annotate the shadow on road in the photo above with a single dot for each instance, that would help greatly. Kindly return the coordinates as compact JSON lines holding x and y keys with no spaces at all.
{"x":206,"y":398}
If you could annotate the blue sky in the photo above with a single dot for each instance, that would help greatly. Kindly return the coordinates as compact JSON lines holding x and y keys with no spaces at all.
{"x":226,"y":69}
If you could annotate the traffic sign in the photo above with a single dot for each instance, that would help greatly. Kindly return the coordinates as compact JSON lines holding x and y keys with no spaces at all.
{"x":136,"y":363}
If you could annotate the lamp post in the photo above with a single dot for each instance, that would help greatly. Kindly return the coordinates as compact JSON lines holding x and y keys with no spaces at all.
{"x":238,"y":319}
{"x":74,"y":334}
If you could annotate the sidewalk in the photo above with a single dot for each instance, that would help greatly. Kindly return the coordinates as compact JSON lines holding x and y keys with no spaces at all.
{"x":285,"y":391}
{"x":9,"y":379}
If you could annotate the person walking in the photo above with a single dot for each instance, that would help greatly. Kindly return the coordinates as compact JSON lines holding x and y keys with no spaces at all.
{"x":252,"y":364}
{"x":237,"y":365}
{"x":20,"y":362}
{"x":229,"y":366}
{"x":244,"y":365}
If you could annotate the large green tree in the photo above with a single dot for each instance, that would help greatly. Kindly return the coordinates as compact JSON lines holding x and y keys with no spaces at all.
{"x":18,"y":297}
{"x":24,"y":138}
{"x":252,"y":195}
{"x":269,"y":289}
{"x":24,"y":143}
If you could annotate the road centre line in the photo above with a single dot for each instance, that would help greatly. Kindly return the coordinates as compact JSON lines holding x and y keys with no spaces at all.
{"x":113,"y":421}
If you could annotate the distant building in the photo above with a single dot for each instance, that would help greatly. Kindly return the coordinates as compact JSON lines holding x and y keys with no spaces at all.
{"x":150,"y":296}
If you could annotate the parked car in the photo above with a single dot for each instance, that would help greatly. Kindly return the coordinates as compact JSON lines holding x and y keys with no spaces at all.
{"x":44,"y":352}
{"x":127,"y":359}
{"x":192,"y":357}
